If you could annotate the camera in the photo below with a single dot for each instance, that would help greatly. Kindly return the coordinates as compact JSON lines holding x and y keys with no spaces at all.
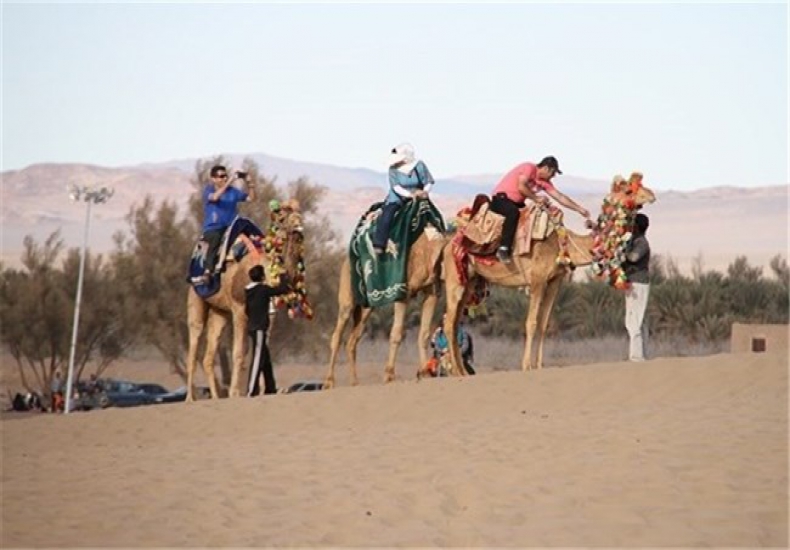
{"x":240,"y":174}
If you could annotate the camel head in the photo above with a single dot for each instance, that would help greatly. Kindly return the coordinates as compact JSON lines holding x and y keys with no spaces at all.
{"x":631,"y":193}
{"x":287,"y":230}
{"x":286,"y":217}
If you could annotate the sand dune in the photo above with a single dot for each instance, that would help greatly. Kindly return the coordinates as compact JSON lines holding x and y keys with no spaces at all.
{"x":672,"y":452}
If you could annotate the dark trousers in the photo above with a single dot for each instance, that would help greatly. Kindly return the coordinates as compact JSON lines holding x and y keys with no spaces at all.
{"x":261,"y":361}
{"x":506,"y":207}
{"x":213,"y":238}
{"x":383,"y":223}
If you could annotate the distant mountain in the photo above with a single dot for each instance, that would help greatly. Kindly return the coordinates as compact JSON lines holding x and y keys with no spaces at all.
{"x":719,"y":223}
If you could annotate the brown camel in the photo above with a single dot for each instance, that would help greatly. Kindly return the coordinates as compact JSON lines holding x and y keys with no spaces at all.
{"x":423,"y":278}
{"x":538,"y":271}
{"x":227,"y":304}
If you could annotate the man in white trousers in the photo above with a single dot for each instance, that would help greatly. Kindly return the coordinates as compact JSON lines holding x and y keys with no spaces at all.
{"x":636,"y":268}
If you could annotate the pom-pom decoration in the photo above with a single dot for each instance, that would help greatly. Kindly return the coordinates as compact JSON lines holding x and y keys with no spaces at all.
{"x":274,"y":243}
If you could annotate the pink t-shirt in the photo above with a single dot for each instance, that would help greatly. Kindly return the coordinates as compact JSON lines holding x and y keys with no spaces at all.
{"x":509,"y":183}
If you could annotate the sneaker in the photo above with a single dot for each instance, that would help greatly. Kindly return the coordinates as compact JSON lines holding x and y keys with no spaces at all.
{"x":503,"y":255}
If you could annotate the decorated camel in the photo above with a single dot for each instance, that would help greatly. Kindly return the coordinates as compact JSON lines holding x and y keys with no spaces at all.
{"x":421,"y":277}
{"x":545,"y":265}
{"x":279,"y":251}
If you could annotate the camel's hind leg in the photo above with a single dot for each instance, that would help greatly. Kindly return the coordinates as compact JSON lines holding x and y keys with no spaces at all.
{"x":197,"y":309}
{"x":360,"y":318}
{"x":396,"y":336}
{"x":536,"y":294}
{"x":344,"y":312}
{"x":216,"y":323}
{"x":549,"y":298}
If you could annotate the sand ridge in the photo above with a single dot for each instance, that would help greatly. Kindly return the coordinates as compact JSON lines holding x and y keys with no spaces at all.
{"x":671,"y":452}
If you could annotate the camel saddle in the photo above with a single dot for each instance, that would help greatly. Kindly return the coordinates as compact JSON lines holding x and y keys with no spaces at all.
{"x":483,"y":231}
{"x":234,"y":245}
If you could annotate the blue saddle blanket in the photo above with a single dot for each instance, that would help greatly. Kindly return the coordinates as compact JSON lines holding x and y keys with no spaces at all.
{"x":229,"y":248}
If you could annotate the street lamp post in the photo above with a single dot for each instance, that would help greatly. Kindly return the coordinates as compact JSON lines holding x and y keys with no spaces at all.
{"x":90,"y":196}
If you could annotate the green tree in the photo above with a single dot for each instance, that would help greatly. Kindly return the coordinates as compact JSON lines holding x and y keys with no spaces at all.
{"x":151,"y":266}
{"x":37,"y":308}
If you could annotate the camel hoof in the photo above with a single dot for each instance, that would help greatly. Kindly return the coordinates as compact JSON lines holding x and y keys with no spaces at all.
{"x":355,"y":382}
{"x":329,"y":383}
{"x":389,"y":378}
{"x":234,"y":393}
{"x":189,"y":398}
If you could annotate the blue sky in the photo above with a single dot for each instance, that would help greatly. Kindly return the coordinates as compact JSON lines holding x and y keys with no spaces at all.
{"x":692,"y":95}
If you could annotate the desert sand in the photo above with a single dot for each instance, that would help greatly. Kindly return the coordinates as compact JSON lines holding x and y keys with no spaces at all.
{"x":670,"y":452}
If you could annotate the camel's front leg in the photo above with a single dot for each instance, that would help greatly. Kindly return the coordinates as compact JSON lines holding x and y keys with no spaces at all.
{"x":239,"y":337}
{"x":426,"y":318}
{"x":216,"y":322}
{"x":396,"y":336}
{"x":536,"y":293}
{"x":360,"y":318}
{"x":455,"y":294}
{"x":343,"y":313}
{"x":545,"y":315}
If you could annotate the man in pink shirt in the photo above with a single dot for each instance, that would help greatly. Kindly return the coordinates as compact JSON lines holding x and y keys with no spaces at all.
{"x":525,"y":181}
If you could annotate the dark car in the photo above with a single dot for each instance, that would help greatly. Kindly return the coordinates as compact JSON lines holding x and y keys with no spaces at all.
{"x":179,"y":395}
{"x":305,"y":385}
{"x":115,"y":393}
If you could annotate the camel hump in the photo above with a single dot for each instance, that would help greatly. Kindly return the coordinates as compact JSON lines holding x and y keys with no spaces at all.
{"x":240,"y":238}
{"x":482,"y":227}
{"x":380,"y":277}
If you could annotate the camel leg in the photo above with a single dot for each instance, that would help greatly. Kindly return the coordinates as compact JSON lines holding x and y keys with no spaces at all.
{"x":216,"y":323}
{"x":196,"y":320}
{"x":239,"y":338}
{"x":360,"y":318}
{"x":549,"y":298}
{"x":396,"y":336}
{"x":536,"y":293}
{"x":455,"y":294}
{"x":344,"y":312}
{"x":426,"y":318}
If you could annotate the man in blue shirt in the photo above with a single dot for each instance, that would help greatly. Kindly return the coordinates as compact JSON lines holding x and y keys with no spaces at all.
{"x":220,"y":207}
{"x":409,"y":178}
{"x":441,"y":346}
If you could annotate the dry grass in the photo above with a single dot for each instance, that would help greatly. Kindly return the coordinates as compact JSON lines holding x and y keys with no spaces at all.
{"x":505,"y":354}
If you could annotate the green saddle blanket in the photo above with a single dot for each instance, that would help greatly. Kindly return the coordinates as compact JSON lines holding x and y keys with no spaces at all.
{"x":380,"y":280}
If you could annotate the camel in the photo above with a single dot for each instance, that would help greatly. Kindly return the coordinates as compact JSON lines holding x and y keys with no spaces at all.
{"x":539,"y":271}
{"x":423,"y":278}
{"x":227,"y":304}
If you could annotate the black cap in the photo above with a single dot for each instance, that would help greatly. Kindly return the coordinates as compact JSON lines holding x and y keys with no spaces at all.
{"x":551,"y":162}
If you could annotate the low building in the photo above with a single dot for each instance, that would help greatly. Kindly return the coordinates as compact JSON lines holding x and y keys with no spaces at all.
{"x":759,"y":338}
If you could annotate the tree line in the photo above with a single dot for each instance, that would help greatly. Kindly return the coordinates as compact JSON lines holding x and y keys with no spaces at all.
{"x":136,"y":294}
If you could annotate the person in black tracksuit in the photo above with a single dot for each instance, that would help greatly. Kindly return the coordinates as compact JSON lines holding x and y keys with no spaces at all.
{"x":257,"y":299}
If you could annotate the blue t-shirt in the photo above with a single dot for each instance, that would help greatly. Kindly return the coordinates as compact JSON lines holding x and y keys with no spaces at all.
{"x":219,"y":215}
{"x":441,"y":345}
{"x":418,"y":178}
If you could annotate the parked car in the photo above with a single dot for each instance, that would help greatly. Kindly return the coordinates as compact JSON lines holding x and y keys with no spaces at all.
{"x":114,"y":393}
{"x":305,"y":385}
{"x":179,"y":395}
